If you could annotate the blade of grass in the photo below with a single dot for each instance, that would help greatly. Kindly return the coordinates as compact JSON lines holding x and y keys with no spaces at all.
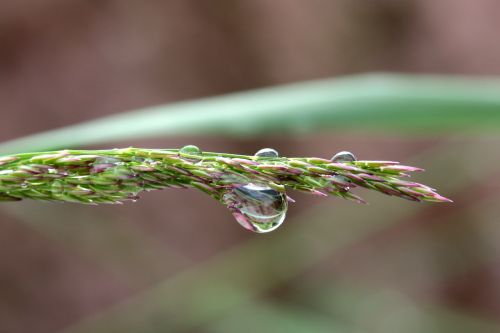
{"x":375,"y":102}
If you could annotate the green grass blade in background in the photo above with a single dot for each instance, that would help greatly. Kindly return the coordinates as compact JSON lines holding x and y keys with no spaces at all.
{"x":401,"y":103}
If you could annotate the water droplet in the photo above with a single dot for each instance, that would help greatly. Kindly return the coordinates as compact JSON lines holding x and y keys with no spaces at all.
{"x":257,"y":208}
{"x":190,"y":150}
{"x":267,"y":152}
{"x":191,"y":153}
{"x":103,"y":163}
{"x":344,"y":156}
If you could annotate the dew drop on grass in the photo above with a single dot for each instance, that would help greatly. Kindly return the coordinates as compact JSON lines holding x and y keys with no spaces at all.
{"x":191,"y":152}
{"x":257,"y":208}
{"x":190,"y":149}
{"x":343,"y":156}
{"x":267,"y":152}
{"x":103,"y":163}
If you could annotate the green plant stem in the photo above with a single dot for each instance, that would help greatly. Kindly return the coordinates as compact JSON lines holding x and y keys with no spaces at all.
{"x":115,"y":175}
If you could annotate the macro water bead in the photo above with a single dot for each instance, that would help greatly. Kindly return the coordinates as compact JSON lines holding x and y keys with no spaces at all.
{"x":257,"y":208}
{"x":267,"y":152}
{"x":343,"y":156}
{"x":190,"y":149}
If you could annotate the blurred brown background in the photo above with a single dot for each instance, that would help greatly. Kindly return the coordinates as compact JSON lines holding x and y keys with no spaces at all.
{"x":63,"y":62}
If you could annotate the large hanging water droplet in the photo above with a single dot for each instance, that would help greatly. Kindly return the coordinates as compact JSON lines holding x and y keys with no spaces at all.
{"x":257,"y":208}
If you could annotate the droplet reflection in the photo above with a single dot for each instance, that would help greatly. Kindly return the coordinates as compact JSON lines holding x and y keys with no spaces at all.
{"x":257,"y":208}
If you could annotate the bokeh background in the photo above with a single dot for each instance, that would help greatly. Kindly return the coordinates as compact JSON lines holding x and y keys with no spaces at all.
{"x":176,"y":261}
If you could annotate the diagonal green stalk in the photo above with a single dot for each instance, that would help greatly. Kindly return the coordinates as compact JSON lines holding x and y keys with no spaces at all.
{"x":116,"y":175}
{"x":401,"y":103}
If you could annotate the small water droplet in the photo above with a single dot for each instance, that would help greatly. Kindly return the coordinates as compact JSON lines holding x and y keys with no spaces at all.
{"x":190,"y":150}
{"x":344,"y":156}
{"x":257,"y":208}
{"x":267,"y":152}
{"x":103,"y":163}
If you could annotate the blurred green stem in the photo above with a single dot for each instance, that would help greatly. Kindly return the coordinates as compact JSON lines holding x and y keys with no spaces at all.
{"x":375,"y":102}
